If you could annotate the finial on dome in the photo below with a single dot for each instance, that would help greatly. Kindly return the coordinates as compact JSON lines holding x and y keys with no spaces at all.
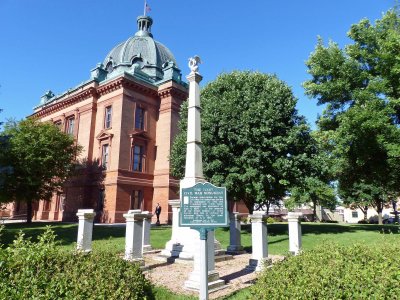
{"x":144,"y":26}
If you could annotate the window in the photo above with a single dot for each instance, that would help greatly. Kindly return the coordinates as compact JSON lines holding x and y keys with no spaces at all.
{"x":138,"y":61}
{"x":354,"y":214}
{"x":46,"y":205}
{"x":70,"y":125}
{"x":58,"y":124}
{"x":139,"y":118}
{"x":109,"y":67}
{"x":136,"y":199}
{"x":137,"y":158}
{"x":107,"y":117}
{"x":59,"y":202}
{"x":105,"y":156}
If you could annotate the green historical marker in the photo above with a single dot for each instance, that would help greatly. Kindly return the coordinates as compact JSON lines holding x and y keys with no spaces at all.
{"x":203,"y":206}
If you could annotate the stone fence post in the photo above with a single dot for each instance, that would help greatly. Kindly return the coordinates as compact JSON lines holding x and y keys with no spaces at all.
{"x":146,"y":231}
{"x":134,"y":236}
{"x":85,"y":230}
{"x":173,"y":247}
{"x":259,"y":241}
{"x":294,"y":232}
{"x":235,"y":240}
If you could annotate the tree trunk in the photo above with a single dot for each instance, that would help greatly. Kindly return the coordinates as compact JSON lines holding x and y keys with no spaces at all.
{"x":379,"y":210}
{"x":249,"y":205}
{"x":314,"y":211}
{"x":365,"y":212}
{"x":380,"y":220}
{"x":29,"y":211}
{"x":396,"y":213}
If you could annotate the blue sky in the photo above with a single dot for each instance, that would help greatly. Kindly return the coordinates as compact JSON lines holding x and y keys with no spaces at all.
{"x":54,"y":44}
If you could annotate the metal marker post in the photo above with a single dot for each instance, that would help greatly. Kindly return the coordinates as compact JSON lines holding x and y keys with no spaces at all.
{"x":203,"y":295}
{"x":203,"y":208}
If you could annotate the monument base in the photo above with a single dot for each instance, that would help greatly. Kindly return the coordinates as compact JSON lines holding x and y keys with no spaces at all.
{"x":258,"y":264}
{"x":176,"y":250}
{"x":147,"y":248}
{"x":235,"y":249}
{"x":139,"y":261}
{"x":214,"y":282}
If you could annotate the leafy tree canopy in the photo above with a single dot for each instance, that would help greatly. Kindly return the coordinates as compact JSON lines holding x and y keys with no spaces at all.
{"x":254,"y":142}
{"x":360,"y":85}
{"x":35,"y":161}
{"x":316,"y":186}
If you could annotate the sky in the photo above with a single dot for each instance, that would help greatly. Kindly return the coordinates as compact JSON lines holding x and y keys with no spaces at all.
{"x":54,"y":44}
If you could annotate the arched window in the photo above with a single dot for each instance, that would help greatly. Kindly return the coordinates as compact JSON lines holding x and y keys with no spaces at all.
{"x":137,"y":61}
{"x":109,"y":67}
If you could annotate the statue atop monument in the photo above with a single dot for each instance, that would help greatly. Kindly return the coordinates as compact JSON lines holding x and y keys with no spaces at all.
{"x":194,"y":64}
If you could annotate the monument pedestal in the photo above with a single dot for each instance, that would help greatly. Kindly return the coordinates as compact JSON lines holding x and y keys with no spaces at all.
{"x":134,"y":236}
{"x":294,"y":232}
{"x":259,"y":241}
{"x":214,"y":283}
{"x":85,"y":230}
{"x":235,"y":241}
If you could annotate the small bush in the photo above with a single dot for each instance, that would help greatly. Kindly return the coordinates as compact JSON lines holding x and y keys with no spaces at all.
{"x":42,"y":271}
{"x":269,"y":220}
{"x":334,"y":272}
{"x":245,"y":220}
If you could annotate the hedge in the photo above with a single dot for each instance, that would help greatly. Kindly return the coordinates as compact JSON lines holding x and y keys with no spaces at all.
{"x":41,"y":271}
{"x":331,"y":271}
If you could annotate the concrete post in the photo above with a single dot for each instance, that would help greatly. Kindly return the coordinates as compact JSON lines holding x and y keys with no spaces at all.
{"x":259,"y":240}
{"x":134,"y":236}
{"x":85,"y":230}
{"x":146,"y":231}
{"x":235,"y":241}
{"x":294,"y":232}
{"x":173,"y":246}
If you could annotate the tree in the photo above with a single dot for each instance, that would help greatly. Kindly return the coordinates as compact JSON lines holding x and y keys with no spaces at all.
{"x":316,"y":186}
{"x":360,"y":86}
{"x":254,"y":142}
{"x":36,"y":160}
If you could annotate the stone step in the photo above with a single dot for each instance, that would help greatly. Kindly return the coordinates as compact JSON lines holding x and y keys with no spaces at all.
{"x":216,"y":285}
{"x":236,"y":252}
{"x":219,"y":252}
{"x":224,"y":257}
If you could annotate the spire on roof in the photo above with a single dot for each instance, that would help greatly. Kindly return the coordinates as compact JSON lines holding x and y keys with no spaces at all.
{"x":144,"y":26}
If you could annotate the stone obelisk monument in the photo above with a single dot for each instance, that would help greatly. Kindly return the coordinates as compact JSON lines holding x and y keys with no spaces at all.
{"x":185,"y":242}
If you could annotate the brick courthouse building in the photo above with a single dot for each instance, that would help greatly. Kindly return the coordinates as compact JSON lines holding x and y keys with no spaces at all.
{"x":125,"y":117}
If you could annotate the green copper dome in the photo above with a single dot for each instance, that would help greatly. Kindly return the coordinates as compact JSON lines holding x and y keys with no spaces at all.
{"x":139,"y":51}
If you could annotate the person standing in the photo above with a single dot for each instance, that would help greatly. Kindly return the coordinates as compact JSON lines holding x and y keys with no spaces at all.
{"x":158,"y":212}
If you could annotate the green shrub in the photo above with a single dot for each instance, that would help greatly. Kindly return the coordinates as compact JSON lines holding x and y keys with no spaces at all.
{"x":334,"y":272}
{"x":244,"y":219}
{"x":42,"y":271}
{"x":269,"y":220}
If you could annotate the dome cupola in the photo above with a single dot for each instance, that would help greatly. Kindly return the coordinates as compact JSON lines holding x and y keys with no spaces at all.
{"x":139,"y":51}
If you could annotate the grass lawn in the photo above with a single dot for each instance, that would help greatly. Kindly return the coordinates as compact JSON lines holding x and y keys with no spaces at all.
{"x":112,"y":238}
